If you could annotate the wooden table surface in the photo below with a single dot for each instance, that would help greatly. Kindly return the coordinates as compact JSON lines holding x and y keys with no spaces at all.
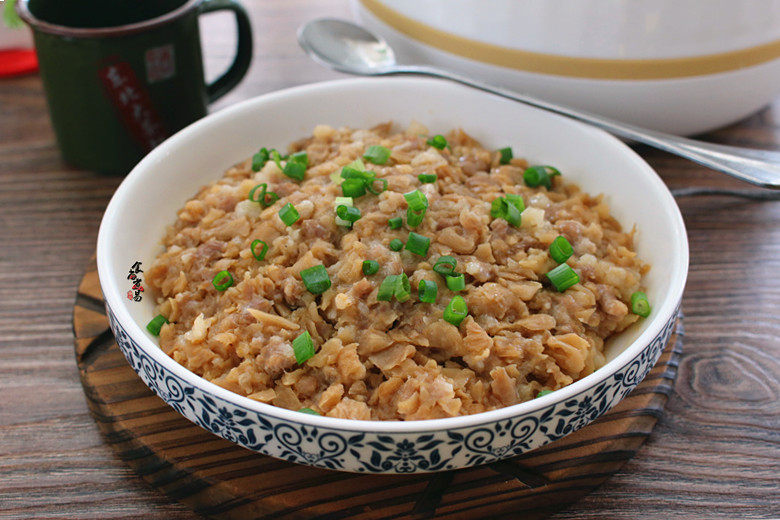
{"x":714,"y":454}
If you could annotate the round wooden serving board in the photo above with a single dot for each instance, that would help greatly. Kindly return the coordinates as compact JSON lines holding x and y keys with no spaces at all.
{"x":224,"y":481}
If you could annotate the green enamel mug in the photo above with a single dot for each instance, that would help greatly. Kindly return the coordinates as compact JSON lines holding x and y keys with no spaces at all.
{"x":122,"y":75}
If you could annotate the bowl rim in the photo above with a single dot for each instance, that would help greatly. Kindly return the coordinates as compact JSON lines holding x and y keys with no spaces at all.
{"x":664,"y":312}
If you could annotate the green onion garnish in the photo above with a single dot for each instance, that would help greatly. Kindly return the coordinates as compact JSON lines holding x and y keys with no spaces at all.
{"x":387,"y":288}
{"x":308,"y":411}
{"x":403,"y":289}
{"x":427,"y":291}
{"x":438,"y":142}
{"x":370,"y":186}
{"x":265,"y":198}
{"x":560,"y":249}
{"x":456,"y":311}
{"x":316,"y":279}
{"x":394,"y":285}
{"x":342,"y":201}
{"x":416,"y":200}
{"x":259,"y":159}
{"x":295,"y":170}
{"x":445,"y":265}
{"x":396,"y":245}
{"x":506,"y":155}
{"x":289,"y":214}
{"x":427,"y":178}
{"x":351,"y":172}
{"x":349,"y":214}
{"x":542,"y":393}
{"x":540,"y":175}
{"x":508,"y":208}
{"x":303,"y":347}
{"x":516,"y":201}
{"x":156,"y":324}
{"x":353,"y":188}
{"x":296,"y":166}
{"x":370,"y":267}
{"x":395,"y":223}
{"x":563,"y":277}
{"x":253,"y":249}
{"x":418,"y":244}
{"x":640,"y":305}
{"x":456,"y":282}
{"x":222,"y":280}
{"x":377,"y":154}
{"x":414,"y":218}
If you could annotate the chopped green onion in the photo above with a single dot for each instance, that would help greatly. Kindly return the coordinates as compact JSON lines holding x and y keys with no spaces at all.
{"x":299,"y":157}
{"x":445,"y":265}
{"x":222,"y":280}
{"x":395,"y":223}
{"x":456,"y":282}
{"x":303,"y":347}
{"x":563,"y":277}
{"x":357,"y":164}
{"x":377,"y":154}
{"x":516,"y":200}
{"x":353,"y":188}
{"x":416,"y":200}
{"x":156,"y":324}
{"x":403,"y":289}
{"x":456,"y":311}
{"x":506,"y":155}
{"x":396,"y":245}
{"x":263,"y":251}
{"x":316,"y":279}
{"x":266,"y":198}
{"x":640,"y":305}
{"x":349,"y":214}
{"x":427,"y":178}
{"x":342,"y":201}
{"x":427,"y":291}
{"x":418,"y":244}
{"x":414,"y":218}
{"x":542,"y":393}
{"x":370,"y":186}
{"x":438,"y":142}
{"x":370,"y":267}
{"x":509,"y":210}
{"x":295,"y":170}
{"x":394,"y":285}
{"x":540,"y":175}
{"x":289,"y":214}
{"x":560,"y":249}
{"x":259,"y":159}
{"x":387,"y":288}
{"x":349,"y":172}
{"x":308,"y":411}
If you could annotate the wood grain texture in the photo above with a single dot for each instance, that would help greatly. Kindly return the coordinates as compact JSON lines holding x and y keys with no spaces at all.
{"x":224,"y":481}
{"x":714,"y":454}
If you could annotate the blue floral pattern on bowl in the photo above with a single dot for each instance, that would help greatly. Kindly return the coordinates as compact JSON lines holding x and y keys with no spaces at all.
{"x":383,"y":452}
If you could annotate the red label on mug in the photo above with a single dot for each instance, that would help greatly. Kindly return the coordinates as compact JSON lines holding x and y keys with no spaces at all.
{"x":133,"y":104}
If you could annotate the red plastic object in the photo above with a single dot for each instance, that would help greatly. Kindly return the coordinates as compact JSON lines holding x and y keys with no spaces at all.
{"x":16,"y":62}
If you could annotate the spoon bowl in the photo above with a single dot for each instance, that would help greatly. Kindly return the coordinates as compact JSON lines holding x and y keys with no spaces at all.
{"x":347,"y":47}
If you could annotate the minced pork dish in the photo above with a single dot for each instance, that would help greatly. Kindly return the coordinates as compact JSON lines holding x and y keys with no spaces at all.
{"x":393,"y":275}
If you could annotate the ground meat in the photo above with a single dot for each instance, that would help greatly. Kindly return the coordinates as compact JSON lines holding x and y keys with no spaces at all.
{"x":389,"y":360}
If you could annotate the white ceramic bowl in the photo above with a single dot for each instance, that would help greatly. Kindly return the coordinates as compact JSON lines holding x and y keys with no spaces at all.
{"x":148,"y":199}
{"x":681,"y":66}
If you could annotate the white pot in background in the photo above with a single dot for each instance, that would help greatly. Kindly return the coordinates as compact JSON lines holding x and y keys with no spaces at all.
{"x":682,"y":66}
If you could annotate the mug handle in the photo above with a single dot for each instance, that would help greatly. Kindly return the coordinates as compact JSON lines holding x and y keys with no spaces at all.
{"x":237,"y":70}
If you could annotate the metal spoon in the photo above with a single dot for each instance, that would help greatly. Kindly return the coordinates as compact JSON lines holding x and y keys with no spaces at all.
{"x":350,"y":48}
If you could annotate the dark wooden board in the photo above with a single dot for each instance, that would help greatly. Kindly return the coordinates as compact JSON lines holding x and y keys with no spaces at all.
{"x":222,"y":480}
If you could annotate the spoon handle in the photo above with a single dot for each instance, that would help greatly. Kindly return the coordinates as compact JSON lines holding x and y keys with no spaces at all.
{"x":759,"y":167}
